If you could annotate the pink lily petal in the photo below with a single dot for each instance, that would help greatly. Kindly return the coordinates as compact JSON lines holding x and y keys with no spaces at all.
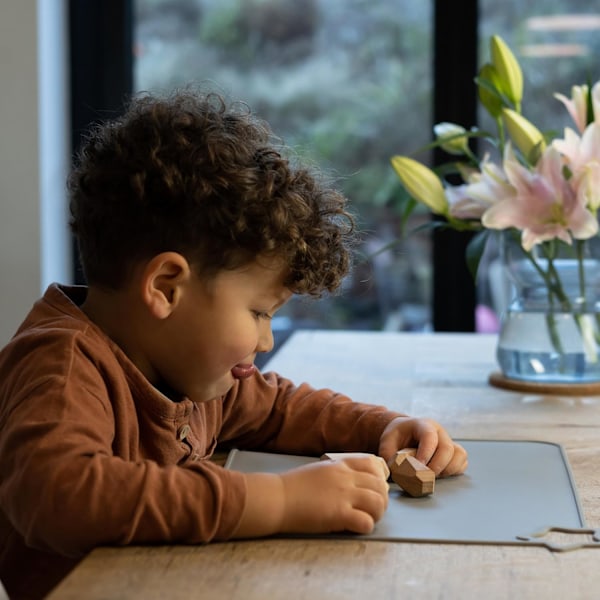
{"x":491,"y":185}
{"x":582,"y":156}
{"x":587,"y":186}
{"x":583,"y":224}
{"x":576,"y":105}
{"x":484,"y":189}
{"x":596,"y":101}
{"x":569,"y":146}
{"x":531,"y":237}
{"x":578,"y":151}
{"x":544,"y":206}
{"x":462,"y":206}
{"x":590,"y":143}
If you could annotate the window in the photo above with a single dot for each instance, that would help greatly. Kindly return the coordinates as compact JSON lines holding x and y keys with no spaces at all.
{"x":346,"y":83}
{"x":557,"y":46}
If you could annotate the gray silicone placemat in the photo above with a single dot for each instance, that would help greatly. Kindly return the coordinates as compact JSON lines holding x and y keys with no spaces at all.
{"x":511,"y":488}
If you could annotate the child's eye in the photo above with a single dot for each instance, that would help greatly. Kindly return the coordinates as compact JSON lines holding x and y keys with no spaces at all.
{"x":262,"y":315}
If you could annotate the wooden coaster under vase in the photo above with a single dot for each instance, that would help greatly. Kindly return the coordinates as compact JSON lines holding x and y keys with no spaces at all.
{"x":586,"y":388}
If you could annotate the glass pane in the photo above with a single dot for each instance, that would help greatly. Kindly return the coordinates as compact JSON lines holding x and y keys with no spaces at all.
{"x":557,"y":45}
{"x":346,"y":83}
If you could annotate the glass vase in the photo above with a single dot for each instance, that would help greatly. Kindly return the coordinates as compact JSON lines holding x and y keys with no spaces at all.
{"x":550,"y":332}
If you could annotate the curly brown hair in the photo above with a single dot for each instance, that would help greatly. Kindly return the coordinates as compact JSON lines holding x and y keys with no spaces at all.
{"x":191,"y":174}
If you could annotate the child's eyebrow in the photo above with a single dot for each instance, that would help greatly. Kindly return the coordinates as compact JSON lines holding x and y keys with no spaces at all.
{"x":278,"y":299}
{"x":280,"y":303}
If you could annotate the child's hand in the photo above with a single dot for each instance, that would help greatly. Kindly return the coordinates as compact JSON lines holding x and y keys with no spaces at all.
{"x":434,"y":446}
{"x":349,"y":494}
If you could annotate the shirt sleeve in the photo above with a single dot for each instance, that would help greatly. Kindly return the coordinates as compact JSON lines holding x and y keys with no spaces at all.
{"x":272,"y":413}
{"x":63,"y":488}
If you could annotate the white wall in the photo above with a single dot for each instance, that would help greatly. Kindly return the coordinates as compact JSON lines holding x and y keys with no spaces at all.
{"x":22,"y":274}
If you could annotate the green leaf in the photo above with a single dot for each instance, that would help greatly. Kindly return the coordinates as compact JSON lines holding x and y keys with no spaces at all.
{"x":409,"y":206}
{"x":590,"y":105}
{"x":487,"y":87}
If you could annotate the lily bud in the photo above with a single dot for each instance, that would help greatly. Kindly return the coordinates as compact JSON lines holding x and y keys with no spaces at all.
{"x":421,"y":183}
{"x":525,"y":135}
{"x":510,"y":76}
{"x":456,"y":140}
{"x":490,"y":101}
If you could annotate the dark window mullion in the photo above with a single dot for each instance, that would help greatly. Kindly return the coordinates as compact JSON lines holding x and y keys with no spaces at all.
{"x":101,"y":66}
{"x":455,"y":100}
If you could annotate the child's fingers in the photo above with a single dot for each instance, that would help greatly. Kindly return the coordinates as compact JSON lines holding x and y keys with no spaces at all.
{"x":371,"y":482}
{"x":435,"y":449}
{"x":365,"y":508}
{"x":434,"y":446}
{"x":449,"y":459}
{"x":368,"y":507}
{"x":359,"y":521}
{"x":458,"y":463}
{"x":406,"y":432}
{"x":362,"y":461}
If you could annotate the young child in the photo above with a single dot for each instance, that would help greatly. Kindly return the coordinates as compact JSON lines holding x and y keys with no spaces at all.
{"x":193,"y":229}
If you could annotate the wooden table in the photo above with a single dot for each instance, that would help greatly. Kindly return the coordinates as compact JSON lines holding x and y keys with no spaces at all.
{"x":443,"y":376}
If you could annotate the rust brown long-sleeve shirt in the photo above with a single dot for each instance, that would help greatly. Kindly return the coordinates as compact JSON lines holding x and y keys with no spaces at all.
{"x":92,"y":454}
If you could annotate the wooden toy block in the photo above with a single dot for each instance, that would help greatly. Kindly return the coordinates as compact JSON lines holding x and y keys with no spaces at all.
{"x":412,"y":476}
{"x":338,"y":455}
{"x":400,"y":456}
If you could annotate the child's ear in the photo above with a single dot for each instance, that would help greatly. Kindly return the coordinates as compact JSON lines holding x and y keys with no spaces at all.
{"x":162,"y":283}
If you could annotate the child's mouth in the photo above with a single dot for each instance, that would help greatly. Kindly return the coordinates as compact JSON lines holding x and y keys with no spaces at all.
{"x":243,"y":371}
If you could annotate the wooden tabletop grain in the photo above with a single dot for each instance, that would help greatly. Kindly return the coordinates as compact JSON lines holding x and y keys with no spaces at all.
{"x":443,"y":376}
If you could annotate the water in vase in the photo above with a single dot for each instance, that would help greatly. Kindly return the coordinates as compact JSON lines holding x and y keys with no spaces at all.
{"x":556,"y":347}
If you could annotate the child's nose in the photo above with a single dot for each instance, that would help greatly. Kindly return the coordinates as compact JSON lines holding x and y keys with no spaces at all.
{"x":265,"y":338}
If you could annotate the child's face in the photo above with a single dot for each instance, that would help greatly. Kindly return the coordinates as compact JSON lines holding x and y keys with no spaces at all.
{"x":216,"y":331}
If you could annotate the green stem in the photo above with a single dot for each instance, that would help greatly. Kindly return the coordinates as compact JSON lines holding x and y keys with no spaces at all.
{"x":472,"y":157}
{"x":580,"y":249}
{"x":558,"y":299}
{"x":552,"y":288}
{"x":550,"y":251}
{"x":553,"y":278}
{"x":501,"y":135}
{"x":557,"y":289}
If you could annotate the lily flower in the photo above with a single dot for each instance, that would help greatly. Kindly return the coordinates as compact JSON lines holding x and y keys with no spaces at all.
{"x":595,"y":103}
{"x":588,"y":186}
{"x":483,"y":188}
{"x":581,"y":155}
{"x":510,"y":76}
{"x":491,"y":184}
{"x":577,"y":105}
{"x":453,"y":138}
{"x":462,"y":206}
{"x":544,"y":206}
{"x":421,"y":183}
